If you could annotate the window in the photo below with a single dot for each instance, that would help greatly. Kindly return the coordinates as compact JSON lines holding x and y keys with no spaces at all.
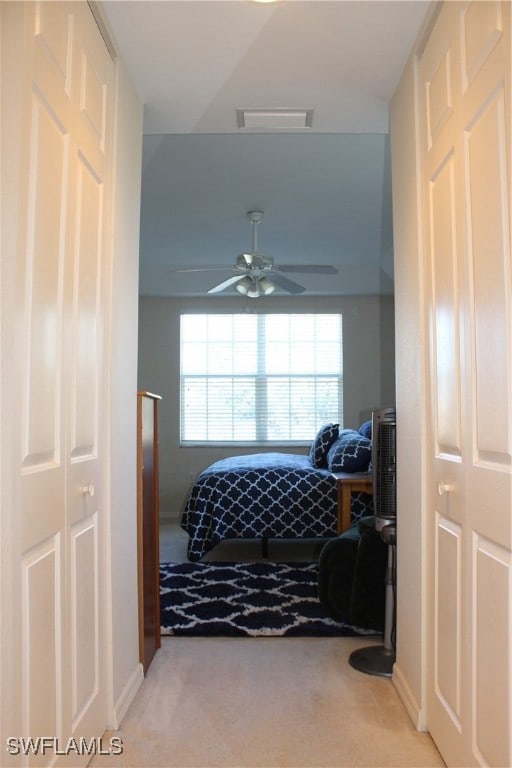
{"x":250,"y":378}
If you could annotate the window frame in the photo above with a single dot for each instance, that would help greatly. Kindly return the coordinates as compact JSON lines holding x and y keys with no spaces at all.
{"x":260,"y":377}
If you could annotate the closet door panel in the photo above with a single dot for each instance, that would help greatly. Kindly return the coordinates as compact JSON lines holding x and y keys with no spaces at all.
{"x":90,"y":172}
{"x":85,"y":627}
{"x":42,"y":671}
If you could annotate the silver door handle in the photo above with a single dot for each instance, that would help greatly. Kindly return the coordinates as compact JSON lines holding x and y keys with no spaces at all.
{"x":88,"y":489}
{"x":443,"y":488}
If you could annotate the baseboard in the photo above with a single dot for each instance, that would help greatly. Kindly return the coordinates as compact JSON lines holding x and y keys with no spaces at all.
{"x":414,"y":710}
{"x":127,"y":696}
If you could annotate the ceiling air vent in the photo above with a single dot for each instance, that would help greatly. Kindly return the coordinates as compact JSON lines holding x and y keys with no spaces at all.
{"x":274,"y":119}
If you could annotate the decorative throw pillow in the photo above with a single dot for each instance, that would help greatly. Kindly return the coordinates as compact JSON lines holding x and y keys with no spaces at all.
{"x":366,"y":429}
{"x":351,"y":452}
{"x":325,"y":437}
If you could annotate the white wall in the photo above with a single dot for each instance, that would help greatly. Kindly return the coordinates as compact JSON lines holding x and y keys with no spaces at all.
{"x":410,"y":403}
{"x":368,"y":353}
{"x":125,"y":672}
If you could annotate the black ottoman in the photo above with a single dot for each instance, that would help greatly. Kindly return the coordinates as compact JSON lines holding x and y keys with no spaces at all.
{"x":351,"y":580}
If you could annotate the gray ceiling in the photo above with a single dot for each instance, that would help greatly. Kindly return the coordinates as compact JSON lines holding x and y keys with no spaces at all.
{"x":325,"y":190}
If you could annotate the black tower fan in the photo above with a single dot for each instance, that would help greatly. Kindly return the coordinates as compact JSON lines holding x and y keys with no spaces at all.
{"x":379,"y":659}
{"x":384,"y":467}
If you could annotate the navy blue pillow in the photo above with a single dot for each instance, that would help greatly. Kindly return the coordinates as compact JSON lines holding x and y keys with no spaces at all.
{"x":325,"y":437}
{"x":366,"y":429}
{"x":351,"y":452}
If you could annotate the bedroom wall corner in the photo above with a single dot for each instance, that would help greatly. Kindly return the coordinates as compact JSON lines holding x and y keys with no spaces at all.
{"x":124,"y":672}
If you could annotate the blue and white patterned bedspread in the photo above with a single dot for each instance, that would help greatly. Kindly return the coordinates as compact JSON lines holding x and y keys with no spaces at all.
{"x":273,"y":495}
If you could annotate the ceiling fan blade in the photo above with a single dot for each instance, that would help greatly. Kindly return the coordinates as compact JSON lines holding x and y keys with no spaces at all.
{"x":226,"y":284}
{"x":287,"y":285}
{"x":312,"y":269}
{"x":212,"y":268}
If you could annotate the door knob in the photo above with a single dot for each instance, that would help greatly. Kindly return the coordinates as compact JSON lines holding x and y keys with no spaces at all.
{"x":88,"y":489}
{"x":443,"y":488}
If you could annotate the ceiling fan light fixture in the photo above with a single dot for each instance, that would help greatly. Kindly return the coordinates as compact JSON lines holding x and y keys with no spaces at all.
{"x":254,"y":287}
{"x":266,"y":286}
{"x":245,"y":285}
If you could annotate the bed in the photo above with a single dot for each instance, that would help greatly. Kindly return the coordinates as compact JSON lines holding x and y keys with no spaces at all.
{"x":272,"y":495}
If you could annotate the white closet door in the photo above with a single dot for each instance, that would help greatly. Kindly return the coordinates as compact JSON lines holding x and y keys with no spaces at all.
{"x":90,"y":160}
{"x":62,"y":257}
{"x":464,"y":90}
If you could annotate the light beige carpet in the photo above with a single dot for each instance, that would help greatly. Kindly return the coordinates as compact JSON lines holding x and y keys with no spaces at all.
{"x":266,"y":703}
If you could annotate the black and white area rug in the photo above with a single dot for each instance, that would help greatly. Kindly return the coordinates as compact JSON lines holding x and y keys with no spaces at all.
{"x":244,"y":599}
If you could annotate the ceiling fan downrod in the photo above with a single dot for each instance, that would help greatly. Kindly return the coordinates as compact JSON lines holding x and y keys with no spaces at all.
{"x":255,"y":218}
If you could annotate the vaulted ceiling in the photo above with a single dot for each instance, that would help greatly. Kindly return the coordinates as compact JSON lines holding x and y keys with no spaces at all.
{"x":325,"y":190}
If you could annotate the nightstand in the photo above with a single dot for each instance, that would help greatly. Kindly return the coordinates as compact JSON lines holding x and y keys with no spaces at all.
{"x":348,"y":483}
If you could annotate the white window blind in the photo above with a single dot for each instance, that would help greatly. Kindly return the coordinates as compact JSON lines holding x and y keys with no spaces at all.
{"x":251,"y":378}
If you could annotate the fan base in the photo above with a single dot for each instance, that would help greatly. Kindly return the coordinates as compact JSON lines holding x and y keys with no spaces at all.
{"x":373,"y":660}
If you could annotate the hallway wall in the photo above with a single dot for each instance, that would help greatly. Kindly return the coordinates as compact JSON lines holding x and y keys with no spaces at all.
{"x":411,"y":540}
{"x":126,"y":673}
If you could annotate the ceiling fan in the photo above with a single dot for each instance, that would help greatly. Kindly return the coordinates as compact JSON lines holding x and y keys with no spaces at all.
{"x":255,"y":272}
